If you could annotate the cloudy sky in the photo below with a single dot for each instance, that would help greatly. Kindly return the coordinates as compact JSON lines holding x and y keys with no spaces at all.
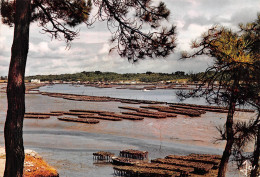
{"x":89,"y":52}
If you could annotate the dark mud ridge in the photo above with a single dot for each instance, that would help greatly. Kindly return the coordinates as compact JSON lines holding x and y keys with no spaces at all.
{"x":135,"y":113}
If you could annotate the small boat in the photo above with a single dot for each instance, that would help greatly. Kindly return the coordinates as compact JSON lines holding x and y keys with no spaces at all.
{"x":145,"y":90}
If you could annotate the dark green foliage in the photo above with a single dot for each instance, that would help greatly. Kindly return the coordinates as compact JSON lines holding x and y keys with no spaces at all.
{"x":109,"y":77}
{"x":245,"y":132}
{"x":251,"y":34}
{"x":7,"y":12}
{"x":61,"y":14}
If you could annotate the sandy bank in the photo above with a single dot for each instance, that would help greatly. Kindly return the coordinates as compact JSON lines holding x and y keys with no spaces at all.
{"x":34,"y":165}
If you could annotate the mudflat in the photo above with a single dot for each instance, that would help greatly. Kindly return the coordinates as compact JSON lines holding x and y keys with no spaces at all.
{"x":68,"y":146}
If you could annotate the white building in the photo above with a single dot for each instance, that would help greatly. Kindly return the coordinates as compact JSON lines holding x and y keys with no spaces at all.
{"x":36,"y":81}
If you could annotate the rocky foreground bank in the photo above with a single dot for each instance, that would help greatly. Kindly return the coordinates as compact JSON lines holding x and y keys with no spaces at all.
{"x":34,"y":165}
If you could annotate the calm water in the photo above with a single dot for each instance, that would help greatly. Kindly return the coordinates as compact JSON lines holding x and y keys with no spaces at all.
{"x":164,"y":95}
{"x":69,"y":146}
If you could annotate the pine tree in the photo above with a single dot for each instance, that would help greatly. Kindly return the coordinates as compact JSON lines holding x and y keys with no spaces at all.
{"x":237,"y":70}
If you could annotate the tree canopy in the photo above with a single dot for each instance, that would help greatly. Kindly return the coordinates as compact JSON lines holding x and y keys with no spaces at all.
{"x":128,"y":20}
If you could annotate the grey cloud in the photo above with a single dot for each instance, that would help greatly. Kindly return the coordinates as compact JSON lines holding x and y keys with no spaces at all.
{"x":34,"y":56}
{"x":222,"y":12}
{"x":202,"y":20}
{"x":213,"y":4}
{"x":244,"y":15}
{"x":5,"y":53}
{"x":4,"y":63}
{"x":117,"y":64}
{"x":37,"y":40}
{"x":98,"y":26}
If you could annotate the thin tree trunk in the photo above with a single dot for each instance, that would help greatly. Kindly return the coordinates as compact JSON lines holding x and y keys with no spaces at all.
{"x":16,"y":91}
{"x":255,"y":163}
{"x":229,"y":144}
{"x":229,"y":130}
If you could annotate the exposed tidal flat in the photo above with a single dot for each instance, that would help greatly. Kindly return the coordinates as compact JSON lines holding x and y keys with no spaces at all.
{"x":68,"y":146}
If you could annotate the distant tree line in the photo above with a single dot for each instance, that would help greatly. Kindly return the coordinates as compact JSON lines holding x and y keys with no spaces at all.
{"x":98,"y":76}
{"x":3,"y":77}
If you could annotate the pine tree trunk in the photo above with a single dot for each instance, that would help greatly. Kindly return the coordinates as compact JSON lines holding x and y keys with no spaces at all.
{"x":229,"y":130}
{"x":255,"y":163}
{"x":16,"y":91}
{"x":229,"y":144}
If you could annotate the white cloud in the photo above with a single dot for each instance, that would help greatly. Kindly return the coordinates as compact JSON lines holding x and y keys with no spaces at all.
{"x":105,"y":49}
{"x":194,"y":13}
{"x":2,"y":44}
{"x":42,"y":47}
{"x":90,"y":37}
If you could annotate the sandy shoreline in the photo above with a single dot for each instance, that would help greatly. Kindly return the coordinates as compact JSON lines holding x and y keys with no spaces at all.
{"x":2,"y":161}
{"x":33,"y":165}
